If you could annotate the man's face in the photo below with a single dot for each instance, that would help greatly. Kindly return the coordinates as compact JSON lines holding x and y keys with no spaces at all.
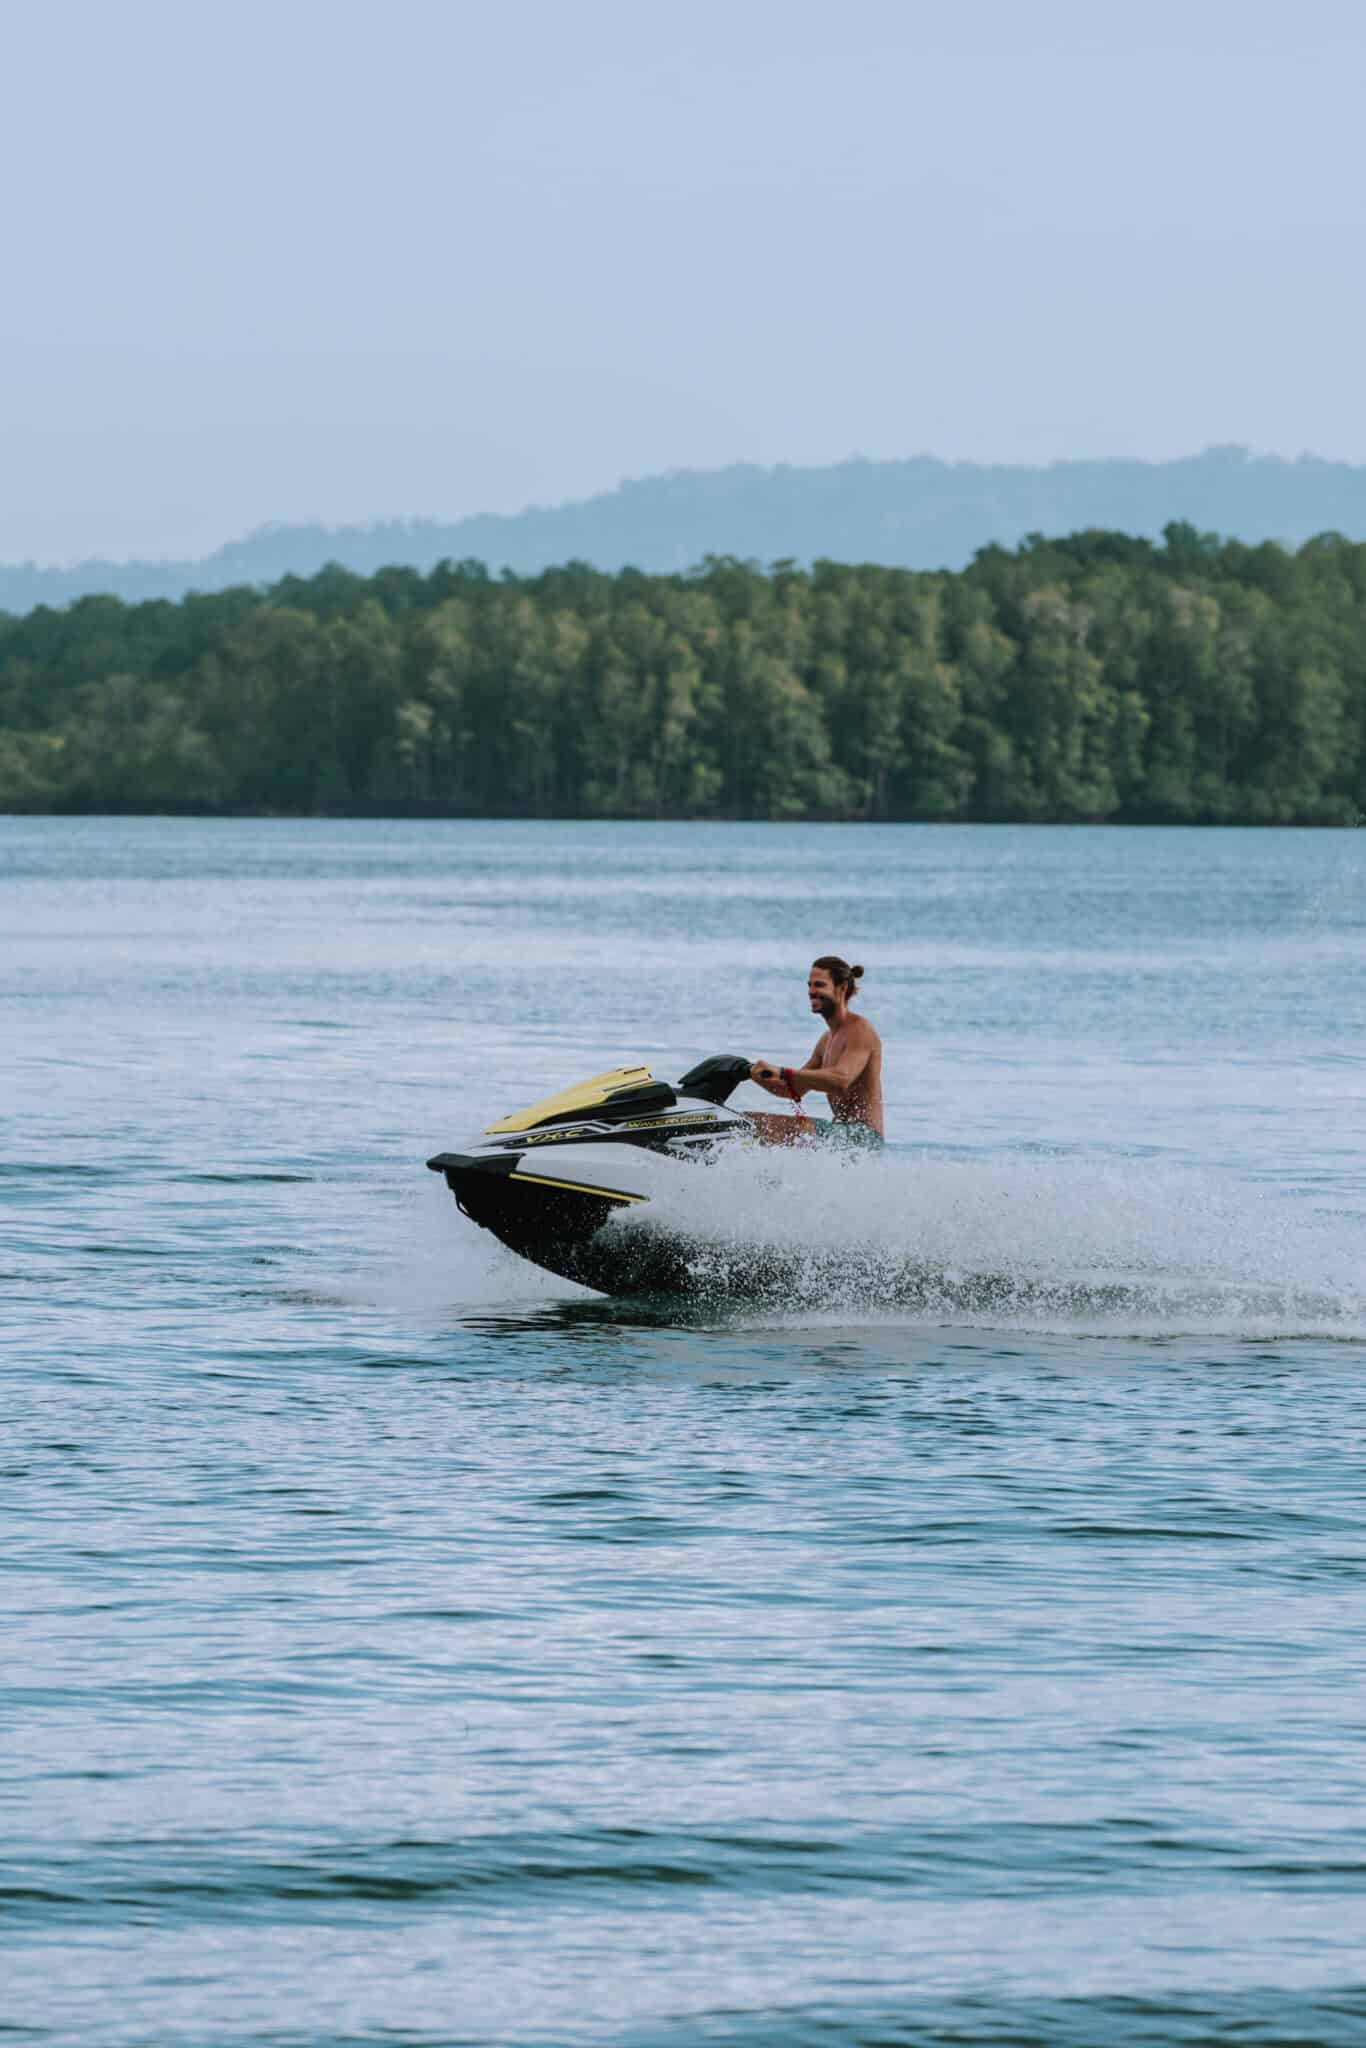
{"x":822,"y":992}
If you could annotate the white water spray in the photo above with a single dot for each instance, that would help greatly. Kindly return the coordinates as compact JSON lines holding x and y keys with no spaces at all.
{"x":1031,"y":1241}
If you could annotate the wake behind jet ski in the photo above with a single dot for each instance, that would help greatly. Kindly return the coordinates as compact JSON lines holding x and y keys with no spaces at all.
{"x":557,"y":1182}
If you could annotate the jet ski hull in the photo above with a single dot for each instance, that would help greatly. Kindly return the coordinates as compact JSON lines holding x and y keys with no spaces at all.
{"x":570,"y":1184}
{"x":587,"y":1226}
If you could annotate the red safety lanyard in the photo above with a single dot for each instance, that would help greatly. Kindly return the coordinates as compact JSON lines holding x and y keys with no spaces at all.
{"x":786,"y":1073}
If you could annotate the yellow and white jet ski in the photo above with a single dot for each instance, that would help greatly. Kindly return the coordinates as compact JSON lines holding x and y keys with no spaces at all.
{"x":566,"y":1182}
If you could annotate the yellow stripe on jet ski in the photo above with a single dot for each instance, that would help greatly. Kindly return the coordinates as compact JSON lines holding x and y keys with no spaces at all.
{"x":585,"y":1095}
{"x":577,"y":1187}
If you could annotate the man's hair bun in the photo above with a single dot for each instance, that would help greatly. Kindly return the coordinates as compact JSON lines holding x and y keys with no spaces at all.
{"x":855,"y":974}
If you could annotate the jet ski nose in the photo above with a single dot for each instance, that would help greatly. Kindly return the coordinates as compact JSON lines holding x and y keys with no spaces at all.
{"x":546,"y":1181}
{"x":471,"y":1162}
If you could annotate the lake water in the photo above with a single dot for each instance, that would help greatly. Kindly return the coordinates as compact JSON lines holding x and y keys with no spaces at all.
{"x":402,"y":1647}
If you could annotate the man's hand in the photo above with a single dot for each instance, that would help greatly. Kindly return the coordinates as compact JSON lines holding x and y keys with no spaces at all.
{"x":767,"y":1076}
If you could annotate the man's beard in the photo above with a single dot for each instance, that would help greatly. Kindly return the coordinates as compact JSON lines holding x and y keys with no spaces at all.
{"x":826,"y":1005}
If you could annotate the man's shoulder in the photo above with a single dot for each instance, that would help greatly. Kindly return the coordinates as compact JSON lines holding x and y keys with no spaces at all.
{"x":854,"y":1031}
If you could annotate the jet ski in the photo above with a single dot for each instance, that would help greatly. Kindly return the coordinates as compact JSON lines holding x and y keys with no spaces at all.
{"x":568,"y":1183}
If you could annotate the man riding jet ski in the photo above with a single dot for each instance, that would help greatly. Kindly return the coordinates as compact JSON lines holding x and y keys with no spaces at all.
{"x":562,"y":1183}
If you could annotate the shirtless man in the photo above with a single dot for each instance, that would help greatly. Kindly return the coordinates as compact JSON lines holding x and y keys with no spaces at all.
{"x":846,"y":1064}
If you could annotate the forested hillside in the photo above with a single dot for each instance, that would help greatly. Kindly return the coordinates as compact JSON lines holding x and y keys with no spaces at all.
{"x":916,"y":514}
{"x":1097,"y":677}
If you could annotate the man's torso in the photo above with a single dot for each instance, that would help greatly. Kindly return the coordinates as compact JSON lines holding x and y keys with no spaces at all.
{"x":861,"y":1103}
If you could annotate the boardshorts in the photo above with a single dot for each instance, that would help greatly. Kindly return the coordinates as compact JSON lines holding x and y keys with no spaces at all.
{"x":850,"y":1137}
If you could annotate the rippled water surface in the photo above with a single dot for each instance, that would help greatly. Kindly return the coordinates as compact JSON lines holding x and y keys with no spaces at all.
{"x":403,"y":1647}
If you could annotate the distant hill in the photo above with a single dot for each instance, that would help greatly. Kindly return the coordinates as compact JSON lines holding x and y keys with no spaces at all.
{"x":921,"y":513}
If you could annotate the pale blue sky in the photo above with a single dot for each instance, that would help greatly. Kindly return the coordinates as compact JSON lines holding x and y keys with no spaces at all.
{"x":357,"y":261}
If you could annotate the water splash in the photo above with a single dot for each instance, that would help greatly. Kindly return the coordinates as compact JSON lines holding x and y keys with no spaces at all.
{"x":1031,"y":1241}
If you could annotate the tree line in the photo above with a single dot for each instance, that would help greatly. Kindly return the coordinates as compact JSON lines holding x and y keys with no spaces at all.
{"x":1094,"y":677}
{"x":918,"y":513}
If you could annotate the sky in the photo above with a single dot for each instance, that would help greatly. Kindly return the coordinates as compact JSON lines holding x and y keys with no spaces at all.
{"x":346,"y":262}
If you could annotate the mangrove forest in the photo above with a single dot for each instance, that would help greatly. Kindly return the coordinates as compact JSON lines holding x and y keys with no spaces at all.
{"x":1090,"y":678}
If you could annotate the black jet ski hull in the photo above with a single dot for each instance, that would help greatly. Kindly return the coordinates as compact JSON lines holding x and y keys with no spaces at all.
{"x":576,"y":1231}
{"x":580,"y":1184}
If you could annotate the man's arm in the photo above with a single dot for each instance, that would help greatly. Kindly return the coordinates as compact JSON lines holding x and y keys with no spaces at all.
{"x":812,"y":1065}
{"x":769,"y":1075}
{"x":834,"y":1080}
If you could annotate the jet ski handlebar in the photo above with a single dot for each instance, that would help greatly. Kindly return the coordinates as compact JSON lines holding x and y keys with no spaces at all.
{"x":713,"y":1079}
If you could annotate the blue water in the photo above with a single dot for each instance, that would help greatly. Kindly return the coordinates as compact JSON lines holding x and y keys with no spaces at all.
{"x":402,"y":1647}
